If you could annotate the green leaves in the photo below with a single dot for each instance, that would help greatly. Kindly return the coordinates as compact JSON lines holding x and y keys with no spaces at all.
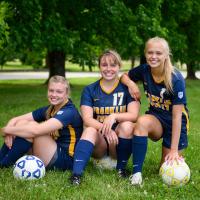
{"x":4,"y":27}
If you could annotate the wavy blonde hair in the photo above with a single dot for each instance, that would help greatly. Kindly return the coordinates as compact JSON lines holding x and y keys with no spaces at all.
{"x":168,"y":67}
{"x":114,"y":54}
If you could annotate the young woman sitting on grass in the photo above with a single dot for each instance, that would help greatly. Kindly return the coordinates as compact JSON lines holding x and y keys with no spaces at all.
{"x":108,"y":113}
{"x":52,"y":132}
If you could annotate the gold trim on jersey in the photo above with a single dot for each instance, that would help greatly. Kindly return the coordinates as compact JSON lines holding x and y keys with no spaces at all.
{"x":113,"y":88}
{"x":72,"y":140}
{"x":51,"y":111}
{"x":187,"y":119}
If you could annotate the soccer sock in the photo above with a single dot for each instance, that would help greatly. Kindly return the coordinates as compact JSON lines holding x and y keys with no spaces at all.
{"x":4,"y":150}
{"x":19,"y":148}
{"x":139,"y":150}
{"x":82,"y":155}
{"x":124,"y":150}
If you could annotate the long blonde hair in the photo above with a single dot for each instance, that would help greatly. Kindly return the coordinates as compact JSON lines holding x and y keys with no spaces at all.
{"x":168,"y":67}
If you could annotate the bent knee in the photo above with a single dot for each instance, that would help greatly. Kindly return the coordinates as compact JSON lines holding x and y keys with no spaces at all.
{"x":142,"y":126}
{"x":125,"y":129}
{"x":90,"y":134}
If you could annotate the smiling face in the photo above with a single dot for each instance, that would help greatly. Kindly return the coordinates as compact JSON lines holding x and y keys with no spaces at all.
{"x":57,"y":93}
{"x":155,"y":54}
{"x":109,"y":67}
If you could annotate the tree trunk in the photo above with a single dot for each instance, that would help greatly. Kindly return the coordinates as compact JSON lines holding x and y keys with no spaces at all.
{"x":90,"y":68}
{"x":132,"y":62}
{"x":191,"y":70}
{"x":83,"y":68}
{"x":55,"y":62}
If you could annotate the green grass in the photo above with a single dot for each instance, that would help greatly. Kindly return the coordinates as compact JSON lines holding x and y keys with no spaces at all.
{"x":18,"y":97}
{"x":16,"y":65}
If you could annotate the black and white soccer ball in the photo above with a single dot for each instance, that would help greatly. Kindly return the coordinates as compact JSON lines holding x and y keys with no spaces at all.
{"x":29,"y":167}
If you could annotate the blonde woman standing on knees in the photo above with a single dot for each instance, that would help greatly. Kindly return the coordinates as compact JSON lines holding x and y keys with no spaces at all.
{"x":167,"y":117}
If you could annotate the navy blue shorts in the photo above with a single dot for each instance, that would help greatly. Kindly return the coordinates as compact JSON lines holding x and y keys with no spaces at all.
{"x":60,"y":160}
{"x":167,"y":130}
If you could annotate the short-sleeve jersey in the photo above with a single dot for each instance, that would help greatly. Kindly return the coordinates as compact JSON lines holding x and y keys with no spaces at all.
{"x":160,"y":101}
{"x":105,"y":103}
{"x":71,"y":120}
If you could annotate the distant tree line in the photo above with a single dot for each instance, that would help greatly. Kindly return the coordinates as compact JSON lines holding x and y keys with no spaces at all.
{"x":79,"y":30}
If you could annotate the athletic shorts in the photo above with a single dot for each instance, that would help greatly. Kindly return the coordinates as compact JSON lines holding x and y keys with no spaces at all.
{"x":167,"y":131}
{"x":60,"y":160}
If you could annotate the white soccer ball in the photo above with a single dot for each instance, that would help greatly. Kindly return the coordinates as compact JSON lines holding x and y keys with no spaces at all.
{"x":177,"y":174}
{"x":105,"y":163}
{"x":29,"y":167}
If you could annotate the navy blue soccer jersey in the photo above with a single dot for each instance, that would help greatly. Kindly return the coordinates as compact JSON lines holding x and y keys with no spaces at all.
{"x":69,"y":116}
{"x":105,"y":103}
{"x":160,"y":100}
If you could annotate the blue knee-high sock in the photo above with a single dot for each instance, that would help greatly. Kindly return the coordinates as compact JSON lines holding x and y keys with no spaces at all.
{"x":4,"y":150}
{"x":124,"y":150}
{"x":139,"y":151}
{"x":82,"y":155}
{"x":19,"y":148}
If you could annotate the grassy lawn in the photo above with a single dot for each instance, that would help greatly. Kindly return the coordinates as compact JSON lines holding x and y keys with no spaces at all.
{"x":18,"y":97}
{"x":71,"y":67}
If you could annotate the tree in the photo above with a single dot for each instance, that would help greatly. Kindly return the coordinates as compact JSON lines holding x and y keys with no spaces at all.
{"x":80,"y":30}
{"x":182,"y":21}
{"x":4,"y":31}
{"x":4,"y":28}
{"x":191,"y":29}
{"x":147,"y":22}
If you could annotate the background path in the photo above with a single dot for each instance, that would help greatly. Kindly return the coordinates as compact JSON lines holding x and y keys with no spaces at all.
{"x":44,"y":75}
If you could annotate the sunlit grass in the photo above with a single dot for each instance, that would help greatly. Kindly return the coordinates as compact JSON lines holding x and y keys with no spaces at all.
{"x":18,"y":97}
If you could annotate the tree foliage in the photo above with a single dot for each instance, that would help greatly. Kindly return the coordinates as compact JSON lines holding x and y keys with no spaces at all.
{"x":80,"y":30}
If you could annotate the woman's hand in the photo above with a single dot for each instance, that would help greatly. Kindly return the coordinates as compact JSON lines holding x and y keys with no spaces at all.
{"x":173,"y":156}
{"x":8,"y":139}
{"x":112,"y":138}
{"x":107,"y":124}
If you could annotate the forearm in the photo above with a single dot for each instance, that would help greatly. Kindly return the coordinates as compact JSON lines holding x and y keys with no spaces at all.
{"x":15,"y":120}
{"x":127,"y":116}
{"x":176,"y":128}
{"x":126,"y":80}
{"x":91,"y":122}
{"x":21,"y":131}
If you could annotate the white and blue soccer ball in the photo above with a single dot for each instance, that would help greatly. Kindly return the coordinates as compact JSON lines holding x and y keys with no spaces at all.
{"x":176,"y":174}
{"x":105,"y":163}
{"x":29,"y":167}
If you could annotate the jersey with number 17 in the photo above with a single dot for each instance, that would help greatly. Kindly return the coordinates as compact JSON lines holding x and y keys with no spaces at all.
{"x":104,"y":102}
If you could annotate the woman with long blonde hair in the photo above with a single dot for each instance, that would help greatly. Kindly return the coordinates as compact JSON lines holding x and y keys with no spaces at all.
{"x":167,"y":117}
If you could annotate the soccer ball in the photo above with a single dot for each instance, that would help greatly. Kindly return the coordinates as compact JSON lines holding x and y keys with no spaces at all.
{"x":29,"y":167}
{"x":177,"y":174}
{"x":105,"y":163}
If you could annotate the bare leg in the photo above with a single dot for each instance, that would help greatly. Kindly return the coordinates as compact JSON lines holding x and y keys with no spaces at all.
{"x":44,"y":147}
